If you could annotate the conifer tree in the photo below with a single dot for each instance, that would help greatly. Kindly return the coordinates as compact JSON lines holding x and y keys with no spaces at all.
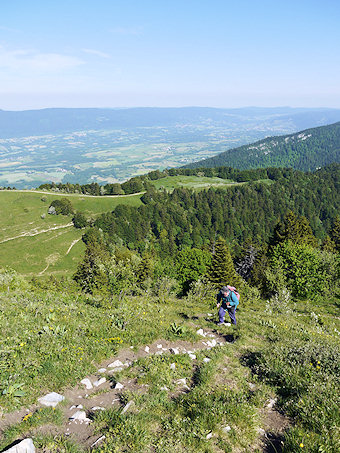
{"x":144,"y":269}
{"x":295,"y":229}
{"x":335,"y":233}
{"x":221,"y":272}
{"x":328,"y":245}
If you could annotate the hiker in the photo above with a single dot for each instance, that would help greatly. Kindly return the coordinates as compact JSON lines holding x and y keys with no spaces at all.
{"x":227,"y":300}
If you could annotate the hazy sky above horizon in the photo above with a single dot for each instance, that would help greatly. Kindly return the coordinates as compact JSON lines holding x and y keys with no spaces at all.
{"x":124,"y":53}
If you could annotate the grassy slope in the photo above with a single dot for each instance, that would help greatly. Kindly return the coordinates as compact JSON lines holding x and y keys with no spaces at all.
{"x":21,"y":212}
{"x":62,"y":335}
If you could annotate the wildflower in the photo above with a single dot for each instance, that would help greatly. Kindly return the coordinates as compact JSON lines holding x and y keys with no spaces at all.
{"x":301,"y":445}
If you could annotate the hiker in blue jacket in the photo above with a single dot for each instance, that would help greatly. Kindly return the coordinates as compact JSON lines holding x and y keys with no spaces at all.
{"x":227,"y":301}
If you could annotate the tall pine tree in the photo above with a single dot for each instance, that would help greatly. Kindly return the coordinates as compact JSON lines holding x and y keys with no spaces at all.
{"x":221,"y":272}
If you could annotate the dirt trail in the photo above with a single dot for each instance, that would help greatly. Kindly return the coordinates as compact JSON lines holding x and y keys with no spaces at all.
{"x":77,"y":194}
{"x":35,"y":233}
{"x":106,"y":396}
{"x":72,"y":244}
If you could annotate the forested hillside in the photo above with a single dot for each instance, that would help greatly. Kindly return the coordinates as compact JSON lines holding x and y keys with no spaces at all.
{"x":239,"y":213}
{"x":306,"y":150}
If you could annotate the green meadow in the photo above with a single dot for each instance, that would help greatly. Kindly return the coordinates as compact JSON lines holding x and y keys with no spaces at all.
{"x":192,"y":182}
{"x":35,"y":243}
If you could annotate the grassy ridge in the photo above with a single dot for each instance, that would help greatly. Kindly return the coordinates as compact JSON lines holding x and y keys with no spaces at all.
{"x":21,"y":211}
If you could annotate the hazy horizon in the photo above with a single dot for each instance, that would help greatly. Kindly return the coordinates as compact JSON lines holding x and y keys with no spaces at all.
{"x":82,"y":54}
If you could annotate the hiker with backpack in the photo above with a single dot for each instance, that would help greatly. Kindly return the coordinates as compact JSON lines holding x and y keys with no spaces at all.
{"x":227,"y":300}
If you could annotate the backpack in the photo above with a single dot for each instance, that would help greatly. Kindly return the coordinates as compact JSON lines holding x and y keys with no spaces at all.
{"x":234,"y":290}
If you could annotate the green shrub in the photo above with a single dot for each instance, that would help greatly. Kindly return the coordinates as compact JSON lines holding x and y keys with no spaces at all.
{"x":62,"y":206}
{"x":304,"y":269}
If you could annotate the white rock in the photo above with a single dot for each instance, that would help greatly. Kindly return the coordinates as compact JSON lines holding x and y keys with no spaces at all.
{"x":173,"y":366}
{"x":186,"y":387}
{"x":159,"y":346}
{"x":181,"y":381}
{"x":192,"y":356}
{"x":252,"y":386}
{"x":206,"y":359}
{"x":210,"y":314}
{"x":119,"y":386}
{"x":51,"y":399}
{"x":261,"y":431}
{"x":101,"y":370}
{"x":127,"y":363}
{"x":80,"y":416}
{"x":271,"y":403}
{"x":116,"y":370}
{"x":200,"y":332}
{"x":226,"y":429}
{"x":209,"y":436}
{"x":99,"y":382}
{"x":227,"y":324}
{"x":164,"y":388}
{"x":127,"y":407}
{"x":174,"y":351}
{"x":97,"y":408}
{"x":211,"y":335}
{"x":115,"y":364}
{"x":147,"y":349}
{"x":87,"y":383}
{"x":97,"y":441}
{"x":25,"y":446}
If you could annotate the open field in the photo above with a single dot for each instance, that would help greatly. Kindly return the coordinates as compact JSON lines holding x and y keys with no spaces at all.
{"x":29,"y":244}
{"x":192,"y":182}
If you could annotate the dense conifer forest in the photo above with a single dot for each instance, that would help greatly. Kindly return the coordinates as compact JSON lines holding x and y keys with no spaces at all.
{"x":242,"y":213}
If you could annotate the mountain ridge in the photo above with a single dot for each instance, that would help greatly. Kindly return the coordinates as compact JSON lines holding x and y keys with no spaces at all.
{"x":305,"y":150}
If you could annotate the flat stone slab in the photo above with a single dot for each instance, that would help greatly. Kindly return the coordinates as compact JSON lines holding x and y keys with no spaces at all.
{"x":128,"y":406}
{"x":80,"y":416}
{"x":99,"y":382}
{"x":87,"y":383}
{"x":25,"y":446}
{"x":51,"y":399}
{"x":116,"y":370}
{"x":115,"y":364}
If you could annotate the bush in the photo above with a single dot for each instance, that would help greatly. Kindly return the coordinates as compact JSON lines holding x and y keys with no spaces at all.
{"x":62,"y":206}
{"x":79,"y":220}
{"x":303,"y":269}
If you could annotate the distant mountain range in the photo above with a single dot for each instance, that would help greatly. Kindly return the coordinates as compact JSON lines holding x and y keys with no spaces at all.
{"x":14,"y":124}
{"x":306,"y":150}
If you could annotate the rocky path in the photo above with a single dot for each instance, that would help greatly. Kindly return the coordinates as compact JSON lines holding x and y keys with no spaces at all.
{"x":98,"y":391}
{"x":35,"y":232}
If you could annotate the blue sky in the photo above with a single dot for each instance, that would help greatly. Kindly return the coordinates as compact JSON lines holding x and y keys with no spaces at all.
{"x":113,"y":53}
